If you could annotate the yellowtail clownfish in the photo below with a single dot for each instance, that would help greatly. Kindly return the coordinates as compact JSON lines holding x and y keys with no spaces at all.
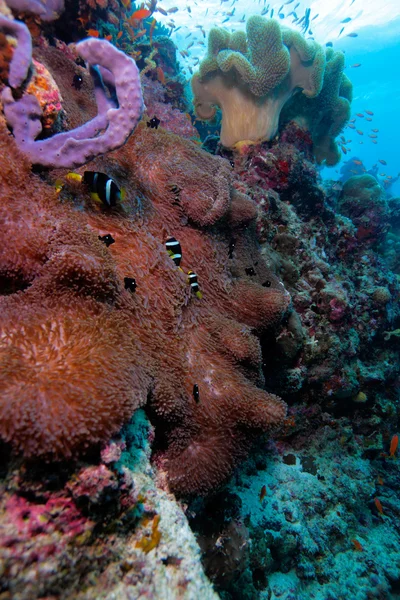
{"x":192,"y":279}
{"x":103,"y":188}
{"x":174,"y":250}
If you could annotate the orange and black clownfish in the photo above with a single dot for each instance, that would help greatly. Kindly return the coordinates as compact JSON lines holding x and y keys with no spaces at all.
{"x":192,"y":279}
{"x":103,"y":189}
{"x":174,"y":250}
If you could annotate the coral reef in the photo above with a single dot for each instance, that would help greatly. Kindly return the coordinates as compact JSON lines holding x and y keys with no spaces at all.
{"x":87,"y":301}
{"x":80,"y":534}
{"x":252,"y":77}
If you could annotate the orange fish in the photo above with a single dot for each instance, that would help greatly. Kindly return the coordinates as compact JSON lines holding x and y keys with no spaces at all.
{"x":119,"y":34}
{"x":140,"y":14}
{"x":393,"y":445}
{"x":380,"y":480}
{"x":378,"y":506}
{"x":108,"y":38}
{"x":93,"y":33}
{"x":161,"y":76}
{"x":263,"y":493}
{"x":357,"y":545}
{"x":152,"y":28}
{"x":139,"y":34}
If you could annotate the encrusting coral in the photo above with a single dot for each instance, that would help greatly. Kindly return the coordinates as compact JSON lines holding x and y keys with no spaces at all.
{"x":251,"y":77}
{"x":79,"y":352}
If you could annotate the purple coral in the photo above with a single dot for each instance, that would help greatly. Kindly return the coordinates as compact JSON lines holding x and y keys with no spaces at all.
{"x":115,"y":121}
{"x":22,"y":57}
{"x":48,"y":10}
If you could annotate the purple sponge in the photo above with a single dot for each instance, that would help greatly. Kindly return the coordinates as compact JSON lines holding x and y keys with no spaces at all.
{"x":48,"y":10}
{"x":107,"y":131}
{"x":22,"y":57}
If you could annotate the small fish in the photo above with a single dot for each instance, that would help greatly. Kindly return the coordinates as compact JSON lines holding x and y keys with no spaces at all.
{"x":344,"y":150}
{"x":352,"y":35}
{"x":153,"y":123}
{"x":130,"y":284}
{"x":378,"y":505}
{"x":360,"y":132}
{"x":161,"y":76}
{"x":162,"y":11}
{"x":139,"y":15}
{"x":152,"y":28}
{"x":263,"y":493}
{"x":355,"y":65}
{"x":192,"y":279}
{"x":272,"y":13}
{"x":357,"y":162}
{"x":373,"y":136}
{"x":196,"y":393}
{"x":380,"y":480}
{"x":341,"y":31}
{"x":225,"y":20}
{"x":393,"y":445}
{"x":174,"y":250}
{"x":107,"y":239}
{"x":382,"y":174}
{"x":120,"y":34}
{"x":93,"y":33}
{"x":368,"y":119}
{"x":369,"y":112}
{"x":360,"y":115}
{"x":347,"y":20}
{"x":357,"y":545}
{"x":351,"y":125}
{"x":77,"y":81}
{"x":172,"y":10}
{"x":383,"y":162}
{"x":103,"y":188}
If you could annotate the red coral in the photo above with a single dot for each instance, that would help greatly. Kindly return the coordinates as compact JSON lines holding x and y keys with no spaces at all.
{"x":79,"y":352}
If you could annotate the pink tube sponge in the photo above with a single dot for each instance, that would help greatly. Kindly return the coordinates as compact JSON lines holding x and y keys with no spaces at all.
{"x":109,"y":130}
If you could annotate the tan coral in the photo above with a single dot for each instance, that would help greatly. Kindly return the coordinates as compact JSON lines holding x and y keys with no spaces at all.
{"x":252,"y":87}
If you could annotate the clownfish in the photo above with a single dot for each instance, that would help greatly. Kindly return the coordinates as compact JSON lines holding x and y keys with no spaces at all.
{"x":192,"y":279}
{"x":103,"y":188}
{"x":174,"y":250}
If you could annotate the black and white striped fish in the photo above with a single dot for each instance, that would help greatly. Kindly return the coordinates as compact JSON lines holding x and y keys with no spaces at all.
{"x":174,"y":250}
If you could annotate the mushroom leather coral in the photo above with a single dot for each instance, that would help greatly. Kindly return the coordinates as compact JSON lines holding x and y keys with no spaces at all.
{"x":251,"y":78}
{"x":79,"y":353}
